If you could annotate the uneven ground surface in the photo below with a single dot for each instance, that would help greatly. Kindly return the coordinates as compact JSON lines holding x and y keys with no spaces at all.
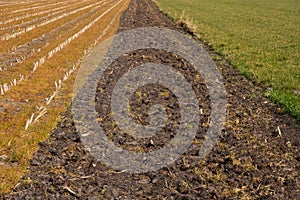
{"x":252,"y":160}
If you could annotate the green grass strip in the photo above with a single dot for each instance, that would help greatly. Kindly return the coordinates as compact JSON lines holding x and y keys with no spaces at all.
{"x":260,"y":38}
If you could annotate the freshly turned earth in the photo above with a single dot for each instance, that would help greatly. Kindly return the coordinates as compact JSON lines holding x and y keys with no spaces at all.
{"x":252,"y":159}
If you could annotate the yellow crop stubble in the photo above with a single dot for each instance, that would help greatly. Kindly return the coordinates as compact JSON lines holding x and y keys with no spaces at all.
{"x":17,"y":145}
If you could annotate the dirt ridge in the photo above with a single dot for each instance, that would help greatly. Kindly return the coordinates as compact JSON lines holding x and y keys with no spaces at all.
{"x":252,"y":160}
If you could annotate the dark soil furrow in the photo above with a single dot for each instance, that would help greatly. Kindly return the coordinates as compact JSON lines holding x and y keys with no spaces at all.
{"x":252,"y":160}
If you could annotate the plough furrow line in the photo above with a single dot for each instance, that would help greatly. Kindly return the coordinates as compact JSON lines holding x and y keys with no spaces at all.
{"x":22,"y":58}
{"x":42,"y":110}
{"x":30,"y":28}
{"x":52,"y":12}
{"x":59,"y":48}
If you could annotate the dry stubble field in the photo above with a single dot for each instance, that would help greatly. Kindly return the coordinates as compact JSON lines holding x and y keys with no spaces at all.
{"x":41,"y":46}
{"x":256,"y":157}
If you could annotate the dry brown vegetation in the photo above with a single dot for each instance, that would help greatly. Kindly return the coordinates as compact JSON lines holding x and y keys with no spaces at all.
{"x":38,"y":68}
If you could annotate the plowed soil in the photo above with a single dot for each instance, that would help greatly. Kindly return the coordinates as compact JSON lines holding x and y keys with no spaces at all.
{"x":257,"y":156}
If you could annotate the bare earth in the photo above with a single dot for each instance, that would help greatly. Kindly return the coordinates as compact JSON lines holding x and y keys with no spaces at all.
{"x":252,"y":160}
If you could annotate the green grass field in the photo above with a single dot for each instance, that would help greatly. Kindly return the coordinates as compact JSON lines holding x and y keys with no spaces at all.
{"x":259,"y":37}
